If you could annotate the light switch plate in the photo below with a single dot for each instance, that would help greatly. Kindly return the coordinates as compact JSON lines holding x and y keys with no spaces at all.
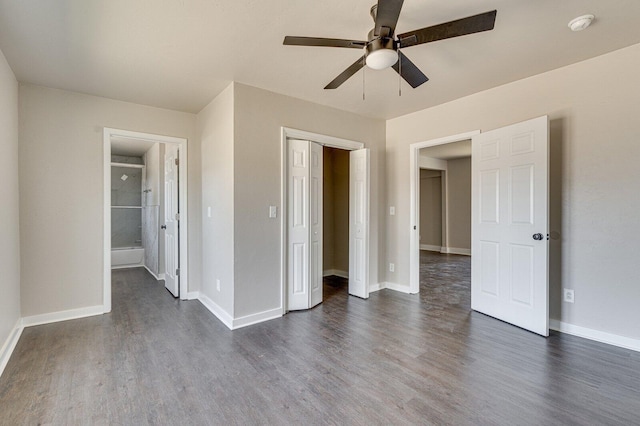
{"x":392,"y":211}
{"x":273,"y":212}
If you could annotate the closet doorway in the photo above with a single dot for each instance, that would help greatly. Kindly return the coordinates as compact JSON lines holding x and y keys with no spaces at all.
{"x":303,"y":212}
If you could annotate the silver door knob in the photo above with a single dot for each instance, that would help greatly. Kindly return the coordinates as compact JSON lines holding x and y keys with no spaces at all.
{"x":538,"y":237}
{"x":163,"y":227}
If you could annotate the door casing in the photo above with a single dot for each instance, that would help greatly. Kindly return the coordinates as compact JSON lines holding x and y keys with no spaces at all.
{"x":108,"y":134}
{"x":414,"y":210}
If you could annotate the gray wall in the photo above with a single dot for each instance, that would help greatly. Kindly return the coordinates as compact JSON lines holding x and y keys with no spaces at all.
{"x":430,"y":208}
{"x":594,"y":179}
{"x":259,"y":116}
{"x":9,"y":199}
{"x":336,"y":210}
{"x":459,"y":203}
{"x":61,"y":146}
{"x":216,"y":132}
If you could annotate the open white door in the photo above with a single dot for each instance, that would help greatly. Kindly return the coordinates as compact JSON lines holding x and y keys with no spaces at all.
{"x":304,"y":217}
{"x":315,"y":274}
{"x":359,"y":223}
{"x":509,"y":272}
{"x":171,"y":217}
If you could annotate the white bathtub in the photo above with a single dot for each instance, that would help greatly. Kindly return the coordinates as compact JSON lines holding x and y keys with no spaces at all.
{"x":127,"y":257}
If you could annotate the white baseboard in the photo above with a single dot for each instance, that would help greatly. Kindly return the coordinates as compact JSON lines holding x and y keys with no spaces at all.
{"x":455,"y":250}
{"x":598,"y":336}
{"x":236,"y":323}
{"x":376,"y":287}
{"x":138,"y":265}
{"x":193,"y":295}
{"x":216,"y":310}
{"x":398,"y":287}
{"x":256,"y":318}
{"x":158,"y":277}
{"x":62,"y":316}
{"x":336,"y":272}
{"x":429,"y":247}
{"x":10,"y":344}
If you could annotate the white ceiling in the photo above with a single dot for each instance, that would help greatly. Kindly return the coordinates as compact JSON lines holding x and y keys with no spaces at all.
{"x":180,"y":54}
{"x":448,"y":151}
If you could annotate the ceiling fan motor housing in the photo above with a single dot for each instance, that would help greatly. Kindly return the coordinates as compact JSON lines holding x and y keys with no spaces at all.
{"x":381,"y":52}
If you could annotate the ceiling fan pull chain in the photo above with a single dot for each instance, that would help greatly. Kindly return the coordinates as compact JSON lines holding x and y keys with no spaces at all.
{"x":363,"y":71}
{"x":399,"y":74}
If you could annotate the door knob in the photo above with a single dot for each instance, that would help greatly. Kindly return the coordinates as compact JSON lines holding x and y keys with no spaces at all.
{"x":538,"y":237}
{"x":163,"y":227}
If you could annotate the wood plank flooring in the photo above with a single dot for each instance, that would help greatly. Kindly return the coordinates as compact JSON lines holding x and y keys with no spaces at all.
{"x":393,"y":359}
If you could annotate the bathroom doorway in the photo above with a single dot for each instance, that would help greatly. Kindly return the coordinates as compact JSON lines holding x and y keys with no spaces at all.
{"x":145,"y":208}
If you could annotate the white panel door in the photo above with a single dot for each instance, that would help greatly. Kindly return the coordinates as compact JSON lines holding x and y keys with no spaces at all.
{"x":509,"y":264}
{"x":315,"y":220}
{"x":359,"y":223}
{"x":298,"y":227}
{"x":171,"y":217}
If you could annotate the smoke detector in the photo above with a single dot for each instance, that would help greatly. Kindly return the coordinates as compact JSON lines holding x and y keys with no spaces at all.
{"x":581,"y":22}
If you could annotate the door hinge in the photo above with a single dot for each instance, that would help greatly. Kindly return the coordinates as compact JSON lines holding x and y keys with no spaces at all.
{"x":177,"y":161}
{"x":178,"y":272}
{"x":177,"y":216}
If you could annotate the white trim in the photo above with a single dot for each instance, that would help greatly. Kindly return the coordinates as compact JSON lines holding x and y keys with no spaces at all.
{"x":193,"y":295}
{"x":596,"y":335}
{"x":10,"y":344}
{"x":157,"y":277}
{"x":376,"y":287}
{"x":336,"y":272}
{"x":455,"y":250}
{"x":256,"y":318}
{"x":216,"y":310}
{"x":429,"y":247}
{"x":130,"y":165}
{"x":324,"y":140}
{"x":183,"y":153}
{"x":236,"y":323}
{"x":399,"y":287}
{"x":62,"y":316}
{"x":132,"y":265}
{"x":414,"y":222}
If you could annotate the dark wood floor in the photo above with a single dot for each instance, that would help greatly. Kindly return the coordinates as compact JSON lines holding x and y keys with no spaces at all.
{"x":392,"y":359}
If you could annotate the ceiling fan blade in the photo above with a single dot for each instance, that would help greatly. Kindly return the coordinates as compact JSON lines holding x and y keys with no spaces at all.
{"x":472,"y":24}
{"x":346,"y":74}
{"x":387,"y":15}
{"x":323,"y":42}
{"x":409,"y":71}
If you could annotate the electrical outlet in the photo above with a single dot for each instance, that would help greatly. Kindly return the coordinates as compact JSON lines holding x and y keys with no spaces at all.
{"x":569,"y":296}
{"x":392,"y":267}
{"x":218,"y":285}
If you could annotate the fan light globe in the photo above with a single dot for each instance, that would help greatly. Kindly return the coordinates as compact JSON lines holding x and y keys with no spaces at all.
{"x":382,"y":58}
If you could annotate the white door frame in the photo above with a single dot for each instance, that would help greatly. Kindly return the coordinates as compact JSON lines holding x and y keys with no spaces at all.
{"x":329,"y":141}
{"x":414,"y":210}
{"x":184,"y":259}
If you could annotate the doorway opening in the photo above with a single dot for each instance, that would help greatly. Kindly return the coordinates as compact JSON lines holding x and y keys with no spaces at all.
{"x":335,"y":226}
{"x":304,"y":231}
{"x":509,"y":221}
{"x":145,"y":208}
{"x":445,"y":223}
{"x":418,"y":162}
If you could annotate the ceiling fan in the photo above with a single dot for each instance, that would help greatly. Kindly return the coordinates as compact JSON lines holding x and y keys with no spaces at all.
{"x":382,"y":50}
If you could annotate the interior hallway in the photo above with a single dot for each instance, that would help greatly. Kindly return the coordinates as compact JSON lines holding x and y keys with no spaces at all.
{"x":392,"y":359}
